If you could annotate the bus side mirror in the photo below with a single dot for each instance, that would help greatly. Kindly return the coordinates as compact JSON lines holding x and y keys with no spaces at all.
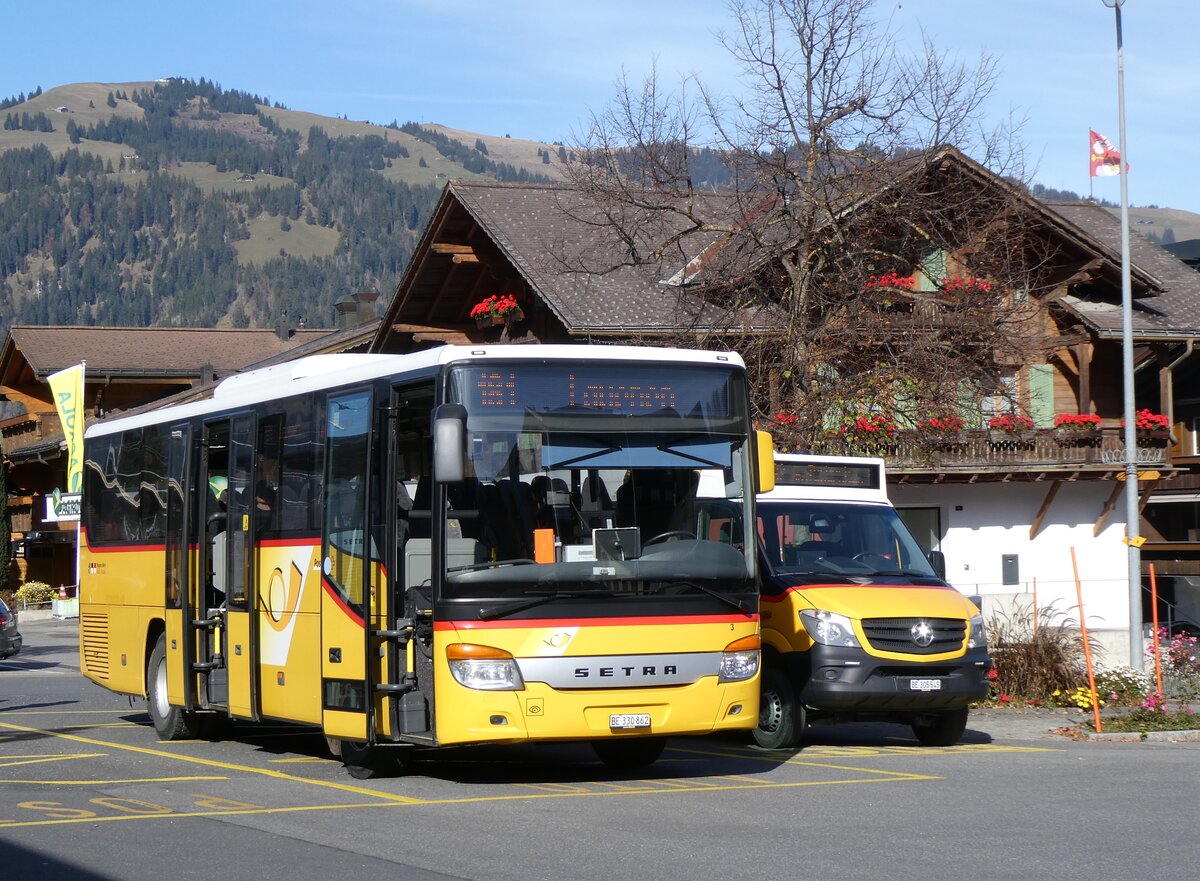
{"x":938,"y":561}
{"x":764,"y":462}
{"x":449,"y":443}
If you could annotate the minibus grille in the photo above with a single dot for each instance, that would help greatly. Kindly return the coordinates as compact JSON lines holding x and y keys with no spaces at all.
{"x":93,"y":632}
{"x":905,"y":635}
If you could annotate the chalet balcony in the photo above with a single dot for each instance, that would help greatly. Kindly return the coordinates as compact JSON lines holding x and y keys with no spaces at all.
{"x":1035,"y":454}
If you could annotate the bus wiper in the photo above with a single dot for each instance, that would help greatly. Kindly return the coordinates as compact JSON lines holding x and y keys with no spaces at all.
{"x":501,"y":609}
{"x":733,"y":601}
{"x":491,"y":564}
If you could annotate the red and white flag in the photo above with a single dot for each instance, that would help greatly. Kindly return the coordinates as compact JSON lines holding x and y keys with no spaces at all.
{"x":1105,"y":158}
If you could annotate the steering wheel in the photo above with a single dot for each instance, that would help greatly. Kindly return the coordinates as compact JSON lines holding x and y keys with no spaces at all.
{"x":666,"y":536}
{"x":868,"y":557}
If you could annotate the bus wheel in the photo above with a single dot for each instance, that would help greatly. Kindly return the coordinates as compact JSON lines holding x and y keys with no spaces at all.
{"x":632,"y":752}
{"x":941,"y":729}
{"x":781,"y":718}
{"x":364,"y":761}
{"x":171,"y":723}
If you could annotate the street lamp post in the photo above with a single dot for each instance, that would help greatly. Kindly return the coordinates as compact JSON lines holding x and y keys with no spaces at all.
{"x":1132,"y":515}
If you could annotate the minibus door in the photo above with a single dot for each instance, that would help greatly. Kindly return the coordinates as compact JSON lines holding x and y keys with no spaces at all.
{"x":239,"y":625}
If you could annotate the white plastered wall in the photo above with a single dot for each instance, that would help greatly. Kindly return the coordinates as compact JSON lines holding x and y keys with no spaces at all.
{"x":983,"y":522}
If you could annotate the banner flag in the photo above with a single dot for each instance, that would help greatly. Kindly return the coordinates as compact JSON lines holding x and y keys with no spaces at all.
{"x":67,"y":388}
{"x":1105,"y":158}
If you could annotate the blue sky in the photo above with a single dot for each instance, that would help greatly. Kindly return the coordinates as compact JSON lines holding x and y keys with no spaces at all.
{"x":534,"y":68}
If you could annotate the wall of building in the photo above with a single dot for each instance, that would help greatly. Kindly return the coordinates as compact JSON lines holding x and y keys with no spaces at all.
{"x":983,"y":522}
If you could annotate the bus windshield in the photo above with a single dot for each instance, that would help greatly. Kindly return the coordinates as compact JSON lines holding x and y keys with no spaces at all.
{"x":584,"y":478}
{"x":832,"y":538}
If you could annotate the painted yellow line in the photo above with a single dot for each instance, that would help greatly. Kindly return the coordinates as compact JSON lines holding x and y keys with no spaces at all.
{"x":299,"y":761}
{"x":416,"y":802}
{"x":9,"y":761}
{"x":228,"y":766}
{"x":110,"y":782}
{"x":53,"y":712}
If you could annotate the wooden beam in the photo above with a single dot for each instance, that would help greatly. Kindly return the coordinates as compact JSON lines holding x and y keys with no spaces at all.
{"x":1108,"y":506}
{"x":1041,"y":514}
{"x":465,"y":258}
{"x":448,"y":248}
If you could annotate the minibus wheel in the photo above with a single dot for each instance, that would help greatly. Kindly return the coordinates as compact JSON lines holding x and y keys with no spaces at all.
{"x":781,"y":718}
{"x":941,"y":729}
{"x":633,"y":752}
{"x":171,"y":723}
{"x":363,"y":761}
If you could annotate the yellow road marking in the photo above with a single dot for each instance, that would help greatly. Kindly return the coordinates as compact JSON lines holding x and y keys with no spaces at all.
{"x":300,"y":760}
{"x":7,"y":761}
{"x":110,"y":782}
{"x":212,"y":763}
{"x":53,"y":712}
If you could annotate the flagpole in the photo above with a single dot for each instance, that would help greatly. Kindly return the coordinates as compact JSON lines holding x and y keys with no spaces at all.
{"x":1132,"y":514}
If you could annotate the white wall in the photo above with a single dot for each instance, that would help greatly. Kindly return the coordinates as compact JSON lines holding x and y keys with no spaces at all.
{"x":982,"y":522}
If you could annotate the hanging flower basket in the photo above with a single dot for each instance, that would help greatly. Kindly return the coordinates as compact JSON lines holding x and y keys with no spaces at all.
{"x":1077,"y":429}
{"x":1011,"y":429}
{"x":496,"y":310}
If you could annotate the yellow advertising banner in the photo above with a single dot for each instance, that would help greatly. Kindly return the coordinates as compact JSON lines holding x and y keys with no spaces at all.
{"x":67,"y":388}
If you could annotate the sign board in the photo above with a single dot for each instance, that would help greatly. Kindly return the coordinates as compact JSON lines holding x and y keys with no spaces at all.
{"x":62,"y":507}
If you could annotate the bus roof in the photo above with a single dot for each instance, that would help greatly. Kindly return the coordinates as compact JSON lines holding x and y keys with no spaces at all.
{"x":318,"y":372}
{"x":835,"y":478}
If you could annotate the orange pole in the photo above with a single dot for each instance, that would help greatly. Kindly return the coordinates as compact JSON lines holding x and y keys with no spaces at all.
{"x":1087,"y":649}
{"x":1154,"y":606}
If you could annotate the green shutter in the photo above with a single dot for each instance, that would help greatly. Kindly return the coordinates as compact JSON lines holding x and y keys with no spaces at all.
{"x":1041,"y":394}
{"x":932,"y":272}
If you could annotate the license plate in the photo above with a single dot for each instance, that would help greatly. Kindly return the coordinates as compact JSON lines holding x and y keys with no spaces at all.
{"x":627,"y":721}
{"x":925,"y":684}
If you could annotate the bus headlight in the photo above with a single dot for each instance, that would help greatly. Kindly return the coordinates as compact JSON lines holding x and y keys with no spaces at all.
{"x":827,"y":628}
{"x":484,"y":668}
{"x":977,"y":637}
{"x":740,"y":659}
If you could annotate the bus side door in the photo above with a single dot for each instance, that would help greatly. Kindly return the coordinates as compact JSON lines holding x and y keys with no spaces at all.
{"x":346,"y":600}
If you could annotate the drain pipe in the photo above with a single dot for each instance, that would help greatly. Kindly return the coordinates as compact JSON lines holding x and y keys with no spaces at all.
{"x":1188,"y":347}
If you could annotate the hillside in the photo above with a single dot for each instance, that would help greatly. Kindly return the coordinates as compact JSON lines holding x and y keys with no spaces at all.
{"x":180,"y":203}
{"x":176,"y":202}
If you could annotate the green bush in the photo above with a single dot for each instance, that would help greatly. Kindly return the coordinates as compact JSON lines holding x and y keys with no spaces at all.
{"x":32,"y":593}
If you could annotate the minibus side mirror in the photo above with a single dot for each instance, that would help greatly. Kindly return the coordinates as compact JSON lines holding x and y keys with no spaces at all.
{"x":449,"y":443}
{"x":938,"y":561}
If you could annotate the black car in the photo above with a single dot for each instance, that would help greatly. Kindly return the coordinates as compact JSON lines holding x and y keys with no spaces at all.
{"x":10,"y":637}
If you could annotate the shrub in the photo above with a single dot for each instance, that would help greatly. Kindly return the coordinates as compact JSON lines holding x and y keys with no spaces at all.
{"x":1037,"y":666}
{"x":1180,"y":663}
{"x":1121,"y":686}
{"x":33,"y":592}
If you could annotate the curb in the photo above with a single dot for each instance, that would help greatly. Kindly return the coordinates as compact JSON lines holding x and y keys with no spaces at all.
{"x":1189,"y":736}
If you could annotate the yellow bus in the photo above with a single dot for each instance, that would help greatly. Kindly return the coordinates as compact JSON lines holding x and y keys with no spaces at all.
{"x":858,"y":622}
{"x":463,"y":545}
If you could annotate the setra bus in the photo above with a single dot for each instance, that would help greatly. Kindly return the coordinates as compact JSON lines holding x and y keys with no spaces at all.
{"x":462,"y":545}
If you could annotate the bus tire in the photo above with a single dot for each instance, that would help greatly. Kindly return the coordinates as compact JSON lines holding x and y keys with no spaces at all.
{"x":629,"y":752}
{"x":364,"y":761}
{"x":781,"y":718}
{"x":941,"y":729}
{"x":171,"y":723}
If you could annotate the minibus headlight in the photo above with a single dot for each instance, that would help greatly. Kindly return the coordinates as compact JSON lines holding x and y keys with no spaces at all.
{"x":828,"y":628}
{"x":740,"y":660}
{"x":484,"y":668}
{"x":977,"y":637}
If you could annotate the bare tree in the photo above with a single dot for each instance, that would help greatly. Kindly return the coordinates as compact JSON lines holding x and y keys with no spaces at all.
{"x":874,"y":235}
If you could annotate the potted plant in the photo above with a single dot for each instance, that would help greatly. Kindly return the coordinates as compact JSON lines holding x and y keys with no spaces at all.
{"x":497,"y":309}
{"x":1076,"y":428}
{"x":873,"y":434}
{"x":1151,"y":425}
{"x":1010,"y":428}
{"x":943,"y":431}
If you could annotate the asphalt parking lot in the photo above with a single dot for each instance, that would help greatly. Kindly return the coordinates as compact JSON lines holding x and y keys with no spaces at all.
{"x":85,"y":787}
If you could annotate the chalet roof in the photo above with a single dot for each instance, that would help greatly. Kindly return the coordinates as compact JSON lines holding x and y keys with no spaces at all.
{"x":562,"y":250}
{"x":1173,"y":313}
{"x":148,"y":351}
